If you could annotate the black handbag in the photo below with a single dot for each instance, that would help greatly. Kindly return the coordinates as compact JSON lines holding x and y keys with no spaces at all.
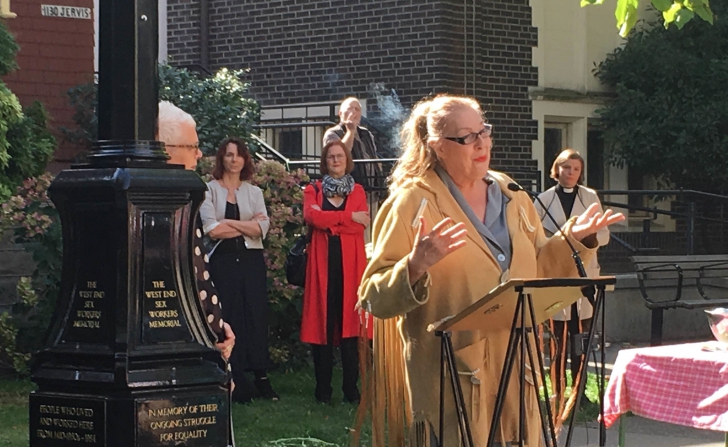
{"x":296,"y":260}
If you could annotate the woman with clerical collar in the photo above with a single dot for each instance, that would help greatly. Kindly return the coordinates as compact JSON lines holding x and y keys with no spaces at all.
{"x":567,"y":199}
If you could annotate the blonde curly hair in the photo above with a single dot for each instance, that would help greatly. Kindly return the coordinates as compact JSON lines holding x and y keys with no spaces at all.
{"x":425,"y":123}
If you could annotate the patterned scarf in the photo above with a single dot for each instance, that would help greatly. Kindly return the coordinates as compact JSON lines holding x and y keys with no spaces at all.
{"x":338,"y":186}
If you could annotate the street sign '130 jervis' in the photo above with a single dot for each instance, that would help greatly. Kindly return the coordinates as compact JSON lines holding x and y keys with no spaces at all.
{"x":69,"y":12}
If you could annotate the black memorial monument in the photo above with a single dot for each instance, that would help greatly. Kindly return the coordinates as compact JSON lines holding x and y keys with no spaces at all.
{"x":129,"y":359}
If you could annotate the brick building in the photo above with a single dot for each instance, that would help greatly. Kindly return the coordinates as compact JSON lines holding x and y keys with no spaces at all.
{"x":529,"y":62}
{"x":56,"y":53}
{"x":305,"y":56}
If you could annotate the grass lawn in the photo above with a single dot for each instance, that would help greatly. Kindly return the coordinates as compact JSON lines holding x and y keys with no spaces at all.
{"x":14,"y":412}
{"x":297,"y":420}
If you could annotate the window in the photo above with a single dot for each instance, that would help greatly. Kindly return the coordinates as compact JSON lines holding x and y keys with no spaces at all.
{"x":595,"y":155}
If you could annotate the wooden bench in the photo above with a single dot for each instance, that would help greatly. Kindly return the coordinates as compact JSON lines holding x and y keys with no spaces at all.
{"x":708,"y":274}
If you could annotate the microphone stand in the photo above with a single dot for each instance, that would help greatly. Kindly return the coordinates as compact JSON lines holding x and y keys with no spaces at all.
{"x":588,"y":291}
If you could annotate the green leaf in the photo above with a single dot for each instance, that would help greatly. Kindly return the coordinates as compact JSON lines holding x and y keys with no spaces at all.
{"x":662,"y":5}
{"x":621,"y":12}
{"x":630,"y":16}
{"x":626,"y":14}
{"x":682,"y":17}
{"x":591,"y":2}
{"x":704,"y":13}
{"x":671,"y":14}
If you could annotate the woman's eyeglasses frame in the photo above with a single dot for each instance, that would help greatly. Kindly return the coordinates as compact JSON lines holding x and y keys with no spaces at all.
{"x":473,"y":136}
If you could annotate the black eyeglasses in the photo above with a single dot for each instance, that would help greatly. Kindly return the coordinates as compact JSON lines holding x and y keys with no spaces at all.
{"x":471,"y":137}
{"x":184,"y":146}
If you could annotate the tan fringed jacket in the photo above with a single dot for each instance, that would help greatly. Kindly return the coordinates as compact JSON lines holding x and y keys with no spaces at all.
{"x":449,"y":287}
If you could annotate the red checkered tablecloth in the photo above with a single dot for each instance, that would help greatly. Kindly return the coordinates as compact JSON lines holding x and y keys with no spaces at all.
{"x":679,"y":384}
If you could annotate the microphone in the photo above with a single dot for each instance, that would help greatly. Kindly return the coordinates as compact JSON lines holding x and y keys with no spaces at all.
{"x":587,"y":291}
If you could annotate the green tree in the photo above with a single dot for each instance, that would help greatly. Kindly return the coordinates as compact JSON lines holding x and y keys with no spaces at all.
{"x":26,"y":144}
{"x":218,"y":104}
{"x":669,"y":118}
{"x":678,"y":12}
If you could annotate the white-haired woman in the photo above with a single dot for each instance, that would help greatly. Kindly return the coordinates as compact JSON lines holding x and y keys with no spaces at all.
{"x":448,"y":234}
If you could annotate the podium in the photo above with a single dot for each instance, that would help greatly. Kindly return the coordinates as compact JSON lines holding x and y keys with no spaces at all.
{"x":517,"y":307}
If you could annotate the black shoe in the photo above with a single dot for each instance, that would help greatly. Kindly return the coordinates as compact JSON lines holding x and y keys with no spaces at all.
{"x":323,"y":392}
{"x":265,"y":391}
{"x":323,"y":398}
{"x":352,"y":397}
{"x":244,"y":391}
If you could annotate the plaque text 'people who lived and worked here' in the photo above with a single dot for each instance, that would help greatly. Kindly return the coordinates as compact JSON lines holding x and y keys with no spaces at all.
{"x":64,"y":423}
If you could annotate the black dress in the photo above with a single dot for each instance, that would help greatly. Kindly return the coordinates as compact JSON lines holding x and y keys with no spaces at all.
{"x":239,"y":275}
{"x":323,"y":355}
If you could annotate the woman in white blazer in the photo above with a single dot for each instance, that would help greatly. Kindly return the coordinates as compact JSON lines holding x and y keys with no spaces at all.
{"x":234,"y":216}
{"x":569,"y":198}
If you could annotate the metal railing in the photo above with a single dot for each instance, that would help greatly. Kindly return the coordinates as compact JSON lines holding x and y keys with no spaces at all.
{"x":689,"y":208}
{"x":695,"y":222}
{"x":671,"y":222}
{"x":300,"y":140}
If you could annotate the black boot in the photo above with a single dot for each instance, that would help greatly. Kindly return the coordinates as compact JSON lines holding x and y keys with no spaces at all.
{"x":262,"y":384}
{"x":323,"y":365}
{"x":350,"y":364}
{"x":244,"y":391}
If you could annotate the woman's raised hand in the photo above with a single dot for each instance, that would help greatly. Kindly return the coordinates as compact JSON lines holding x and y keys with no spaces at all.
{"x":592,"y":220}
{"x":430,"y":248}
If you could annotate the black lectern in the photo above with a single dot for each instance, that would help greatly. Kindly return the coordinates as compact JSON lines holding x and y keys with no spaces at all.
{"x":528,"y":302}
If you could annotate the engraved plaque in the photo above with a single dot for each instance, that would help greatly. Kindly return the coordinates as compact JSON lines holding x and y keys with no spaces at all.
{"x":67,"y":421}
{"x":94,"y":279}
{"x":183,"y":420}
{"x":163,"y":319}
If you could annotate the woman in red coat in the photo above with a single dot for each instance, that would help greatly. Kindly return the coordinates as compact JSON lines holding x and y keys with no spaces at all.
{"x":336,"y":210}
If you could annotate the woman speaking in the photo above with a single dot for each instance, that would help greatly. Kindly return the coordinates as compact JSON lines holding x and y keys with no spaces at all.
{"x":449,"y":233}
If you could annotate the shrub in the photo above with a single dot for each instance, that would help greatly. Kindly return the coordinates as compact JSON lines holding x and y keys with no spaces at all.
{"x":8,"y":49}
{"x":84,"y":103}
{"x":26,"y":144}
{"x":34,"y":222}
{"x":284,"y":198}
{"x":218,"y":104}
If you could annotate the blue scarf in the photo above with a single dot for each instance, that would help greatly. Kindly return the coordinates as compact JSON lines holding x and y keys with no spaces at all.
{"x":338,"y":186}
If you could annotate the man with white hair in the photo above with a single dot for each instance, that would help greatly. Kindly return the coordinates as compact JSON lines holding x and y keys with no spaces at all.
{"x":177,"y":130}
{"x":359,"y":141}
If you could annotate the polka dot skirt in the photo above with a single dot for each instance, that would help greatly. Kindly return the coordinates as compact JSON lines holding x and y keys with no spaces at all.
{"x":206,"y":289}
